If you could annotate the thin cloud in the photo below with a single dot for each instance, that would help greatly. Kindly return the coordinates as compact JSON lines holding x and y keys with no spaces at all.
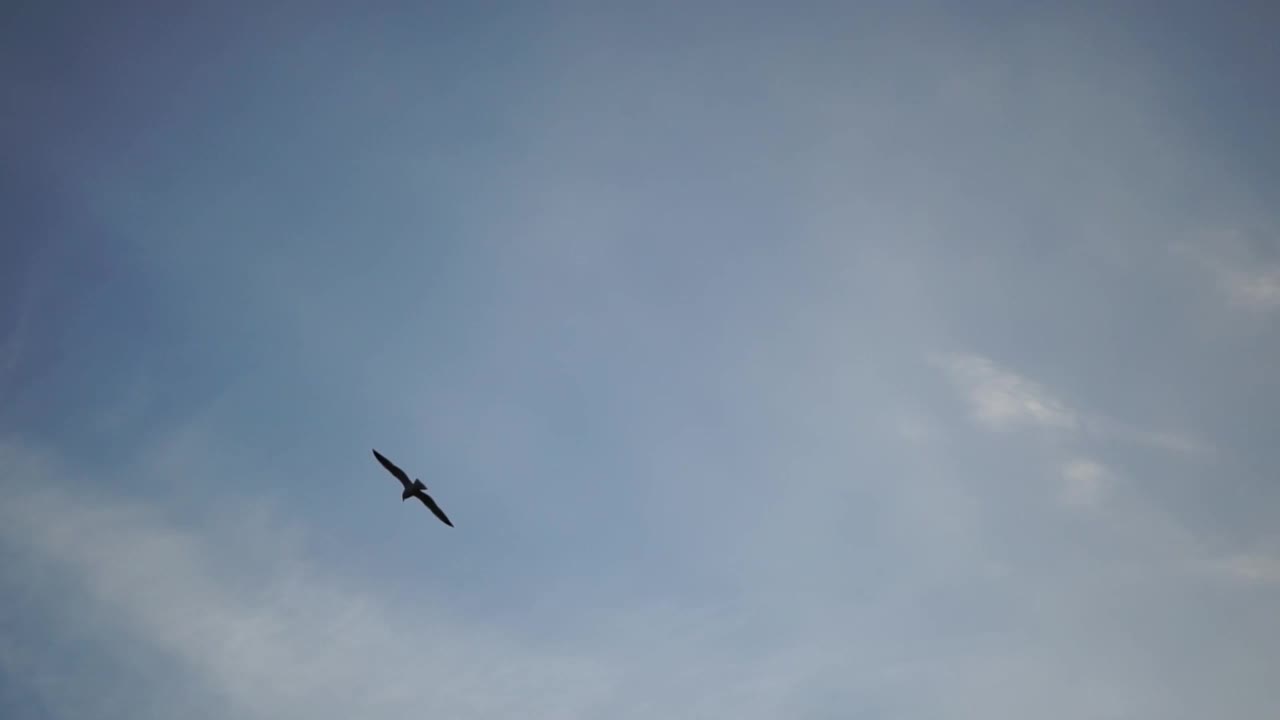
{"x":1257,"y":288}
{"x":281,"y":641}
{"x":1243,"y":279}
{"x":1256,"y":568}
{"x":1000,"y":399}
{"x":249,"y":620}
{"x":1084,"y":482}
{"x":1159,"y":439}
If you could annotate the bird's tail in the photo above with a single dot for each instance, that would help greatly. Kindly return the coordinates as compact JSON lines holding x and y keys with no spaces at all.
{"x":417,"y":485}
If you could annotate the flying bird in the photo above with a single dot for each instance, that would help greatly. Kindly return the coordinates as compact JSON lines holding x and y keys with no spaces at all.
{"x":413,"y":489}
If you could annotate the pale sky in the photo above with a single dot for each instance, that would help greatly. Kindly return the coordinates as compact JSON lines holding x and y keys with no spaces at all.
{"x":804,"y":360}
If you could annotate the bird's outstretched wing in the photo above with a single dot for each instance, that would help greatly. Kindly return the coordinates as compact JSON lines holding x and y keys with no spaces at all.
{"x":391,"y":468}
{"x":431,"y":504}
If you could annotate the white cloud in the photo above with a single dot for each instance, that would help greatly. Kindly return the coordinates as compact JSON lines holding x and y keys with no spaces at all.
{"x":1245,"y":280}
{"x":1257,"y":288}
{"x":300,"y":644}
{"x":235,"y":605}
{"x":1001,"y":399}
{"x":864,"y":563}
{"x":1084,"y":482}
{"x":239,"y":608}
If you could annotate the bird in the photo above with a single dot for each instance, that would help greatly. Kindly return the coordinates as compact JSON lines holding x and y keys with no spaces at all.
{"x":412,"y":489}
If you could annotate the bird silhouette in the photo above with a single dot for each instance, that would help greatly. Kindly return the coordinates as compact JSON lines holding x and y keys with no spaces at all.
{"x":412,"y":489}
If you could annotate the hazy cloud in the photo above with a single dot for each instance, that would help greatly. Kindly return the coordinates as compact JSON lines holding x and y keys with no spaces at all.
{"x":1084,"y":482}
{"x":645,"y":298}
{"x":1001,"y":399}
{"x":1253,"y":567}
{"x":251,"y":620}
{"x":1243,"y":276}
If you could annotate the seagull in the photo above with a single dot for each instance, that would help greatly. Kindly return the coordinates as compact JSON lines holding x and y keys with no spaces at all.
{"x":412,"y":489}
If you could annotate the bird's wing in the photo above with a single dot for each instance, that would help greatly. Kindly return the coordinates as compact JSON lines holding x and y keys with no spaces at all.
{"x":391,"y":468}
{"x":431,"y":504}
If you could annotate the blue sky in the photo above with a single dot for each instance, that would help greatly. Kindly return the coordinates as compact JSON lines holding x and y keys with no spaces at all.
{"x":888,"y":362}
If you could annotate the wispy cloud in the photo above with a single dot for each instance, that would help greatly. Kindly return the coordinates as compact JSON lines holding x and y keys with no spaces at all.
{"x":1101,"y":425}
{"x":238,"y":608}
{"x":670,"y":388}
{"x":275,"y":636}
{"x":1243,"y":278}
{"x":1001,"y":399}
{"x":1084,"y":482}
{"x":1256,"y":288}
{"x":251,"y":619}
{"x":1259,"y":568}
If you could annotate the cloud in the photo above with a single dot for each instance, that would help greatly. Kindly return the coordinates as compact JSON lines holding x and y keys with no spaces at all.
{"x":1103,"y":426}
{"x":233,"y":604}
{"x":1257,"y":288}
{"x":1000,"y":399}
{"x":1244,"y":279}
{"x":1259,"y":568}
{"x":275,"y":636}
{"x":624,"y":356}
{"x":234,"y":615}
{"x":1084,"y":482}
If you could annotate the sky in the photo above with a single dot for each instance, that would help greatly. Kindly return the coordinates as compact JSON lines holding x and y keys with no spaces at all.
{"x":827,"y":360}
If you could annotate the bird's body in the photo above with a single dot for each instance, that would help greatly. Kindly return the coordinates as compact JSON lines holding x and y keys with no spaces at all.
{"x":413,"y":488}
